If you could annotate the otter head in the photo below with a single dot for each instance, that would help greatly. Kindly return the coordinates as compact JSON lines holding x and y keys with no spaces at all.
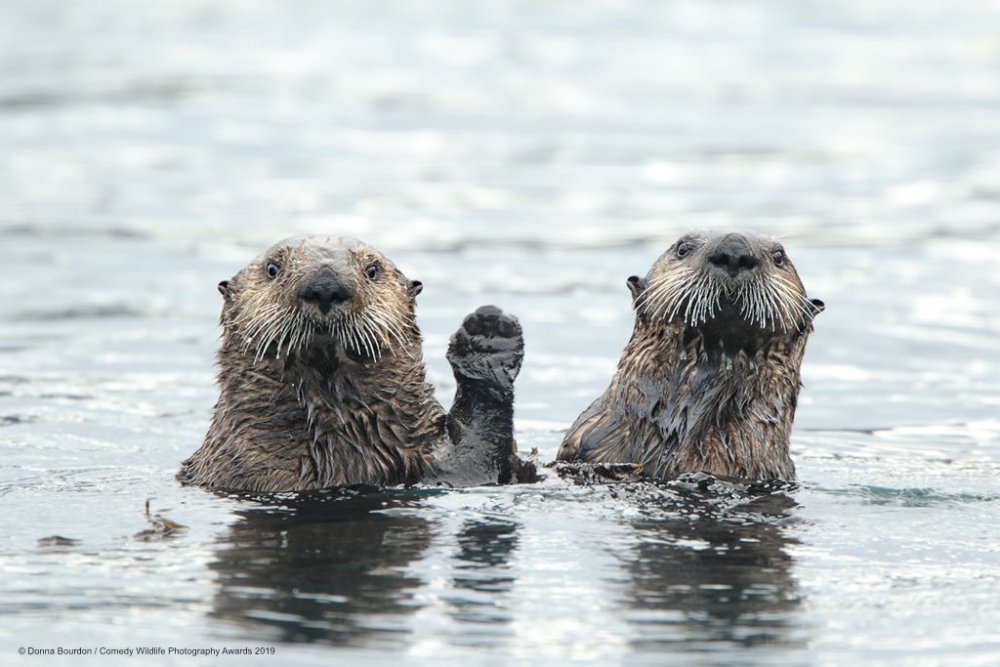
{"x":736,"y":291}
{"x":320,"y":292}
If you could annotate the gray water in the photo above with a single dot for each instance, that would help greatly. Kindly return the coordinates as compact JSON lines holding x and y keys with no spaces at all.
{"x":533,"y":155}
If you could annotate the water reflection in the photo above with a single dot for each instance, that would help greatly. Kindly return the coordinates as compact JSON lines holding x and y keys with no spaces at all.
{"x":713,"y":572}
{"x":321,"y":569}
{"x":483,"y":579}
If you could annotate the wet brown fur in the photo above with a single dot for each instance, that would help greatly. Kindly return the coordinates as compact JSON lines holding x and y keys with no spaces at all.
{"x":710,"y":378}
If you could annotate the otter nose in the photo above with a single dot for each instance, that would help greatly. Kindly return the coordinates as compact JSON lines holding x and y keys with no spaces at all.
{"x":325,"y":292}
{"x":734,"y":256}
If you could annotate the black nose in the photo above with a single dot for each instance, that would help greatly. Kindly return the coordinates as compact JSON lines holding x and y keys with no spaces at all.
{"x":734,"y":255}
{"x":326,"y":291}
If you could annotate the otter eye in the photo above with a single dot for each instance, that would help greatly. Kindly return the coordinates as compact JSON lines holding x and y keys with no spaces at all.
{"x":272,"y":269}
{"x":778,"y":256}
{"x":683,"y":250}
{"x":372,"y":271}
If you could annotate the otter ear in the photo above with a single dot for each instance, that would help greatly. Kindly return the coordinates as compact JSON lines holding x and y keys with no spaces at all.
{"x":228,"y":287}
{"x":818,"y":306}
{"x":636,"y":285}
{"x":415,"y":288}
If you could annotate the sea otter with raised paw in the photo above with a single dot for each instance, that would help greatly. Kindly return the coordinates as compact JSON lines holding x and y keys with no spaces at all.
{"x":322,"y":382}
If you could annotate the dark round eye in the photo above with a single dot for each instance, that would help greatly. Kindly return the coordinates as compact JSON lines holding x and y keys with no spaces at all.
{"x":683,"y":250}
{"x":778,"y":256}
{"x":372,"y":271}
{"x":272,"y":269}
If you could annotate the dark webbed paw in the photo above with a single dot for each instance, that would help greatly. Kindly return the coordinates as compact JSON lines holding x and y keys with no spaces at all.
{"x":488,"y":348}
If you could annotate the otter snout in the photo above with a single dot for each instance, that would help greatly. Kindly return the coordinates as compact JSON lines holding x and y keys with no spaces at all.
{"x":325,"y":291}
{"x":734,"y":256}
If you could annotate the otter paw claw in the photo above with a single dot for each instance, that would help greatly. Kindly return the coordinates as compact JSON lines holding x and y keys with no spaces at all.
{"x":488,"y":347}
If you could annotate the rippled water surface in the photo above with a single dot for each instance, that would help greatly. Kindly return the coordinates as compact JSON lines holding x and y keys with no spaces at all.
{"x":533,"y":155}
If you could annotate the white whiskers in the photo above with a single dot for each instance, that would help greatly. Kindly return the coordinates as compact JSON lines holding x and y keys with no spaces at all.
{"x":286,"y":330}
{"x":774,"y":302}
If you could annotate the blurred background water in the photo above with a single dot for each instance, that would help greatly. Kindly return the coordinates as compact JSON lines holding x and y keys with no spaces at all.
{"x":533,"y":155}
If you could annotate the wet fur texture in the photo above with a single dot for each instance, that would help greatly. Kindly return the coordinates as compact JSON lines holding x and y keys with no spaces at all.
{"x":709,"y":381}
{"x":322,"y":383}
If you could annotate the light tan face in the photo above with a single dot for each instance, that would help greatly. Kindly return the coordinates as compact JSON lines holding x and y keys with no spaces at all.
{"x":742,"y":278}
{"x":317,"y":290}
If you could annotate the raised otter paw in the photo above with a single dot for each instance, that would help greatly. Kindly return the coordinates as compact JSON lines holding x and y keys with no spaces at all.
{"x":488,"y":348}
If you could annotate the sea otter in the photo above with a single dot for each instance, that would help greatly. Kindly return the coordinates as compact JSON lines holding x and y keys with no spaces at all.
{"x":710,"y":378}
{"x":322,"y":383}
